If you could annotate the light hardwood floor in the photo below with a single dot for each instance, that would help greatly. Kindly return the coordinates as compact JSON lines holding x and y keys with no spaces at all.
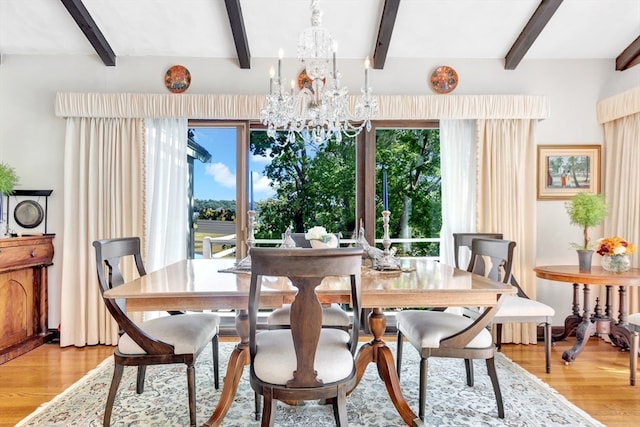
{"x":598,"y":382}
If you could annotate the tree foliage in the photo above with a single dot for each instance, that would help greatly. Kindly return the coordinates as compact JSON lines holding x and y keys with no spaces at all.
{"x":315,"y":185}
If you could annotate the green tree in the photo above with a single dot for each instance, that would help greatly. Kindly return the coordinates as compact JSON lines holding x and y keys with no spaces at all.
{"x":412,"y":160}
{"x":315,"y":185}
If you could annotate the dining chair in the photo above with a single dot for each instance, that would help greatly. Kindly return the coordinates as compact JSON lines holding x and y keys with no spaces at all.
{"x":178,"y":338}
{"x":634,"y":327}
{"x":515,"y":308}
{"x":333,"y":315}
{"x":446,"y":334}
{"x":305,"y":361}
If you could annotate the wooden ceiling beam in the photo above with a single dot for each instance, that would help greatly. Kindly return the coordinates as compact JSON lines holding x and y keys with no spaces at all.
{"x":629,"y":57}
{"x":530,"y":33}
{"x":81,"y":15}
{"x":239,"y":34}
{"x":387,"y":22}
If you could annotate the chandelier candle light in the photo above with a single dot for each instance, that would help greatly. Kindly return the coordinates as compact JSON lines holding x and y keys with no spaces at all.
{"x":319,"y":110}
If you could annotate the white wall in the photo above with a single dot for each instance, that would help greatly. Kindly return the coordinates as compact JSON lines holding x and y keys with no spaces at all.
{"x":32,"y":137}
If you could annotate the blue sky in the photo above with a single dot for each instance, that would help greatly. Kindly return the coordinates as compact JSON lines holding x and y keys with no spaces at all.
{"x":217,"y":180}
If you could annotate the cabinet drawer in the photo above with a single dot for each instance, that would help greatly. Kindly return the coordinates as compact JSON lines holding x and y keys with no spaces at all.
{"x":25,"y":255}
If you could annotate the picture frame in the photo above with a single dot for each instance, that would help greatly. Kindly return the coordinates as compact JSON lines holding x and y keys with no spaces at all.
{"x":566,"y":170}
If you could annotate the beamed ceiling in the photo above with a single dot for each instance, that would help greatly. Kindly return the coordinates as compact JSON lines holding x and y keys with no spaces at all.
{"x":511,"y":30}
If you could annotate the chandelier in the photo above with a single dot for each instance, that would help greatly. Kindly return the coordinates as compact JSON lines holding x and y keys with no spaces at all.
{"x":321,"y":109}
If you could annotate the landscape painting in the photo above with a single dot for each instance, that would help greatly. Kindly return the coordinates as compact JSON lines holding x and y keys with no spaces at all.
{"x":565,"y":170}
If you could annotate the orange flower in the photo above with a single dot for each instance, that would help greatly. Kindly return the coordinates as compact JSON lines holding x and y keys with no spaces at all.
{"x":615,"y":246}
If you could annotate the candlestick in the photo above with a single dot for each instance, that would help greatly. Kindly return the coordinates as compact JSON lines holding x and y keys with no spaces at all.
{"x":366,"y":74}
{"x":251,"y":206}
{"x":335,"y":75}
{"x":280,"y":56}
{"x":388,"y":261}
{"x":271,"y":75}
{"x":385,"y":190}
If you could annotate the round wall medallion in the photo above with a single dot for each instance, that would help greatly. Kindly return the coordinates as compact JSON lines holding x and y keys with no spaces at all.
{"x":177,"y":79}
{"x":443,"y":79}
{"x":28,"y":214}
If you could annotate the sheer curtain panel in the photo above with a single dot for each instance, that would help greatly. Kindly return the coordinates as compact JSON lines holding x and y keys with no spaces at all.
{"x":167,"y":175}
{"x":458,"y":171}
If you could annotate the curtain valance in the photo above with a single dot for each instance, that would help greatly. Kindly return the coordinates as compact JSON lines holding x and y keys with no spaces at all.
{"x":247,"y":107}
{"x":618,"y":106}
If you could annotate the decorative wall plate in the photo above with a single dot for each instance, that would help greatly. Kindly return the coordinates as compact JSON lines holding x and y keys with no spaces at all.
{"x":443,"y":79}
{"x":304,"y":81}
{"x":28,"y":214}
{"x":177,"y":79}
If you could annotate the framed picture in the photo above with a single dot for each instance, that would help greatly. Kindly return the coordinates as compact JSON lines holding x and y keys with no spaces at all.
{"x":565,"y":170}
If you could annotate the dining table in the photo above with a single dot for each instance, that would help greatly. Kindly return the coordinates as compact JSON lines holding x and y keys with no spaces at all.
{"x":214,"y":284}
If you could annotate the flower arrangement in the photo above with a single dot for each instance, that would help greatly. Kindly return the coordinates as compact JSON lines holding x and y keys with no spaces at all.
{"x":615,"y":246}
{"x":615,"y":251}
{"x":319,"y":238}
{"x":317,"y":233}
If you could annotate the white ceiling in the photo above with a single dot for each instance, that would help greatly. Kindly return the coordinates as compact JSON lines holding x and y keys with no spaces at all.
{"x":483,"y":29}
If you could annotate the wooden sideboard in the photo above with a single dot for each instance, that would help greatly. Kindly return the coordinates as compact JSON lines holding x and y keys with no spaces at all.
{"x":23,"y":293}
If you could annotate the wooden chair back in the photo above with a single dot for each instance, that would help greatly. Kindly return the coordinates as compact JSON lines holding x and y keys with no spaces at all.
{"x":110,"y":253}
{"x":463,"y":240}
{"x":492,"y":258}
{"x":306,"y":268}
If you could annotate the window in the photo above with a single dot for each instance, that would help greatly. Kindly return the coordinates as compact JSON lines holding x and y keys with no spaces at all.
{"x":335,"y":185}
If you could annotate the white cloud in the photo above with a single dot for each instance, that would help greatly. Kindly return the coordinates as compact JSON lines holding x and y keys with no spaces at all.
{"x":221,"y":174}
{"x":261,"y":185}
{"x":265,"y":160}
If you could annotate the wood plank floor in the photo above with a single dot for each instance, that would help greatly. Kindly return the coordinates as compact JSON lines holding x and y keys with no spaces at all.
{"x":598,"y":382}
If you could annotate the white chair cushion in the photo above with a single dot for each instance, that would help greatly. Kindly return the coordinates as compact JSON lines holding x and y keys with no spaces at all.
{"x":425,"y":329}
{"x":275,"y":358}
{"x":634,"y":319}
{"x":332,"y":315}
{"x":187,"y":333}
{"x":518,"y":309}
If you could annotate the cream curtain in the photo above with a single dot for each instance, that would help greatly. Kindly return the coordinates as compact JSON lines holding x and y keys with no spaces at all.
{"x":620,"y":118}
{"x":103,"y":190}
{"x":506,"y":198}
{"x":458,"y":172}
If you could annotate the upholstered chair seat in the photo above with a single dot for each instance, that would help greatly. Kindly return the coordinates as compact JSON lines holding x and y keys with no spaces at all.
{"x":426,"y":329}
{"x":187,"y":333}
{"x":333,"y":360}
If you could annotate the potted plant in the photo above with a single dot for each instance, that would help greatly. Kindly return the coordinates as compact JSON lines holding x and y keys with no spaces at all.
{"x":586,"y":210}
{"x":8,"y":181}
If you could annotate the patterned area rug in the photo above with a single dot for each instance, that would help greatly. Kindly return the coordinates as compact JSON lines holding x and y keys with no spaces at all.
{"x":527,"y":400}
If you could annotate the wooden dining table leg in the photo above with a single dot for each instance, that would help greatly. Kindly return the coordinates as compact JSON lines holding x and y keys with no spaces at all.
{"x":376,"y":351}
{"x":237,"y":361}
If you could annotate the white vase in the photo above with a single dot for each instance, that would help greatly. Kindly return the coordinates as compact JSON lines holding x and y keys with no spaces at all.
{"x":319,"y":244}
{"x":616,"y":263}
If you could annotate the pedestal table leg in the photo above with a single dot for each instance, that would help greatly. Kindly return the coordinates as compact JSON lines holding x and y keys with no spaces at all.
{"x":585,"y":329}
{"x":376,"y":351}
{"x":237,"y":361}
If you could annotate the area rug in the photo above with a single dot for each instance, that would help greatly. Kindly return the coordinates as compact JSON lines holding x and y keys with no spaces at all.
{"x":450,"y":402}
